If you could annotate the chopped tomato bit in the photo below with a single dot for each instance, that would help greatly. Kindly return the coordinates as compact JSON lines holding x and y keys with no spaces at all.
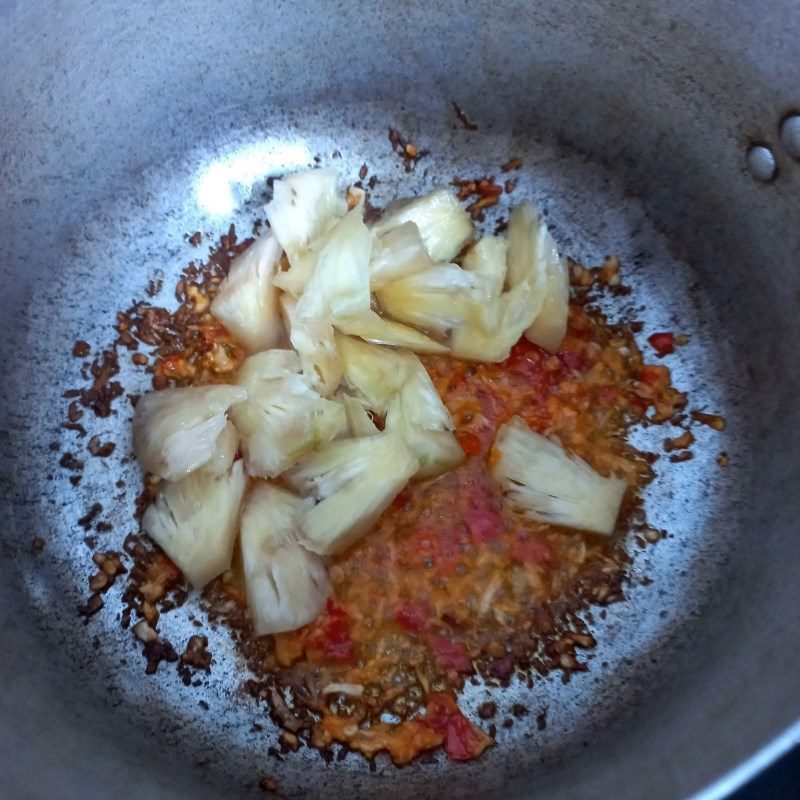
{"x":452,"y":655}
{"x":530,"y":549}
{"x":329,"y":640}
{"x":450,"y":573}
{"x":663,"y":343}
{"x":463,"y":741}
{"x":401,"y":499}
{"x":469,"y":442}
{"x":457,"y":377}
{"x":441,"y":545}
{"x":527,"y":361}
{"x":485,"y":525}
{"x":492,"y":407}
{"x":438,"y":710}
{"x":412,"y":616}
{"x":573,"y":359}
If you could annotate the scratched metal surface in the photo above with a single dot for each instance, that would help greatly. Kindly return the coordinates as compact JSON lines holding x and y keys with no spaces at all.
{"x":121,"y":143}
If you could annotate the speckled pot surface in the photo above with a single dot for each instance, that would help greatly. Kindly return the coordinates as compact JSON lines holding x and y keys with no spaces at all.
{"x":126,"y":126}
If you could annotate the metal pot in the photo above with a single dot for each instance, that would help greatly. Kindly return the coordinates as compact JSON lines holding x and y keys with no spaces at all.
{"x":126,"y":126}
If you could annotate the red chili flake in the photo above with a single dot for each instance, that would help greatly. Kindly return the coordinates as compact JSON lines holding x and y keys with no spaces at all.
{"x":663,"y":343}
{"x":412,"y":617}
{"x":452,"y":655}
{"x":469,"y":442}
{"x":531,"y":549}
{"x":485,"y":525}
